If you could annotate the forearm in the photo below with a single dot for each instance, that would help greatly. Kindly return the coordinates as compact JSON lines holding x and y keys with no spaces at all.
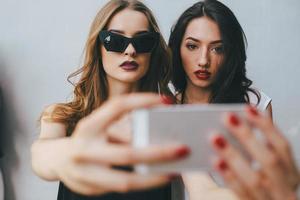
{"x":46,"y":156}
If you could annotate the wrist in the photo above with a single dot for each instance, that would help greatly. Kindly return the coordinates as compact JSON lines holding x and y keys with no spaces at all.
{"x":48,"y":157}
{"x":60,"y":157}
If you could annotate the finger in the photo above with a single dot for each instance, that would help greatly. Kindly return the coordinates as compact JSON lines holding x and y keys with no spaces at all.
{"x":119,"y":139}
{"x":119,"y":181}
{"x":200,"y":185}
{"x":232,"y":182}
{"x":120,"y":131}
{"x":257,"y":149}
{"x":118,"y":155}
{"x":278,"y":142}
{"x":112,"y":110}
{"x":77,"y":179}
{"x":198,"y":181}
{"x":250,"y":179}
{"x":85,"y":187}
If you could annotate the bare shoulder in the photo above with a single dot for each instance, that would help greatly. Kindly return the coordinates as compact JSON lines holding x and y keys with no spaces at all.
{"x":48,"y":111}
{"x":50,"y":128}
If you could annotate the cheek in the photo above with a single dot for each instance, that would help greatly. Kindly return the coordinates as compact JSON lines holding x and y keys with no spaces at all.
{"x":217,"y":62}
{"x":145,"y":61}
{"x":108,"y":58}
{"x":186,"y":58}
{"x":104,"y":56}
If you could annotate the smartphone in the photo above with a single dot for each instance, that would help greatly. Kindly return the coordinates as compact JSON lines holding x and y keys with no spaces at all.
{"x":192,"y":125}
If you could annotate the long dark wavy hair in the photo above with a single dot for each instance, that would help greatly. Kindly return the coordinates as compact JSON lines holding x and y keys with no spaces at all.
{"x":231,"y":84}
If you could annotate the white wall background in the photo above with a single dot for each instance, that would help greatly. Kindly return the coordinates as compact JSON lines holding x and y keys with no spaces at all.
{"x":41,"y":42}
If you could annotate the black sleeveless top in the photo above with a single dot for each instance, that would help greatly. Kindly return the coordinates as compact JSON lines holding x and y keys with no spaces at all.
{"x":163,"y":193}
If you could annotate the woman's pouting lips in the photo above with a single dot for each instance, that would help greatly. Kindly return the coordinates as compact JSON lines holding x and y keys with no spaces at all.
{"x":129,"y":65}
{"x":202,"y":74}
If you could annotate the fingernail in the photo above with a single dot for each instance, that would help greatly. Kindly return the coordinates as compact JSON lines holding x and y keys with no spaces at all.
{"x":252,"y":111}
{"x":222,"y":165}
{"x":173,"y":176}
{"x":220,"y":142}
{"x":167,"y":100}
{"x":234,"y":120}
{"x":182,"y":152}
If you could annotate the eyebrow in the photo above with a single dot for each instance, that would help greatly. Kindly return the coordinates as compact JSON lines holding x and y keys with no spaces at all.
{"x":122,"y":32}
{"x":196,"y":40}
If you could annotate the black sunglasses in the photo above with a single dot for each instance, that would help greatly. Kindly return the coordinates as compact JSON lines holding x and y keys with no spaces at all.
{"x":143,"y":43}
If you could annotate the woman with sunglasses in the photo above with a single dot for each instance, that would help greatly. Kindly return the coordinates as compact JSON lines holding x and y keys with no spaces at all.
{"x":82,"y":143}
{"x":209,"y":56}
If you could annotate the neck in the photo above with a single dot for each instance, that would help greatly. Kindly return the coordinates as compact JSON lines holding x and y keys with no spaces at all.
{"x":196,"y":95}
{"x":117,"y":88}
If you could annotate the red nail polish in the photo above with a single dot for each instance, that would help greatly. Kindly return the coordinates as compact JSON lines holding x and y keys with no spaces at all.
{"x":253,"y":111}
{"x":173,"y":176}
{"x":222,"y":165}
{"x":167,"y":100}
{"x":220,"y":142}
{"x":182,"y":152}
{"x":234,"y":120}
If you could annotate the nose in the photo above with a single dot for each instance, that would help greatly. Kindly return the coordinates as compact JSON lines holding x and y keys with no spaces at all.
{"x":203,"y":58}
{"x":130,"y":50}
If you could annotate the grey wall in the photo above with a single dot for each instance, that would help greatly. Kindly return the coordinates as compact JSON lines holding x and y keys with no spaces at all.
{"x":41,"y":42}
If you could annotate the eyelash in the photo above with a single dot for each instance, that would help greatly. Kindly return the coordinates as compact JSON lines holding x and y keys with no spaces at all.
{"x":217,"y":50}
{"x":191,"y":46}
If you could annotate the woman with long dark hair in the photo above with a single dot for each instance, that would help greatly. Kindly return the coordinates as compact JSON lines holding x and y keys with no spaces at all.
{"x":79,"y":144}
{"x":209,"y":57}
{"x":209,"y":66}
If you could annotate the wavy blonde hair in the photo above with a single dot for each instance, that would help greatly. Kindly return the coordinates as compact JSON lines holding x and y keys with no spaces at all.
{"x":91,"y":90}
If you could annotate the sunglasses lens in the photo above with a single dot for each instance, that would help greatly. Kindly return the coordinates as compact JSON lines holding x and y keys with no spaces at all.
{"x":145,"y":43}
{"x":117,"y":43}
{"x":112,"y":42}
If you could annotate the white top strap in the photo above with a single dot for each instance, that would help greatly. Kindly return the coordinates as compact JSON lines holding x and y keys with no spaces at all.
{"x":264,"y":100}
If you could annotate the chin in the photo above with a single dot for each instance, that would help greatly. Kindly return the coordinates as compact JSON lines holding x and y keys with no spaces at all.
{"x":202,"y":84}
{"x":132,"y":79}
